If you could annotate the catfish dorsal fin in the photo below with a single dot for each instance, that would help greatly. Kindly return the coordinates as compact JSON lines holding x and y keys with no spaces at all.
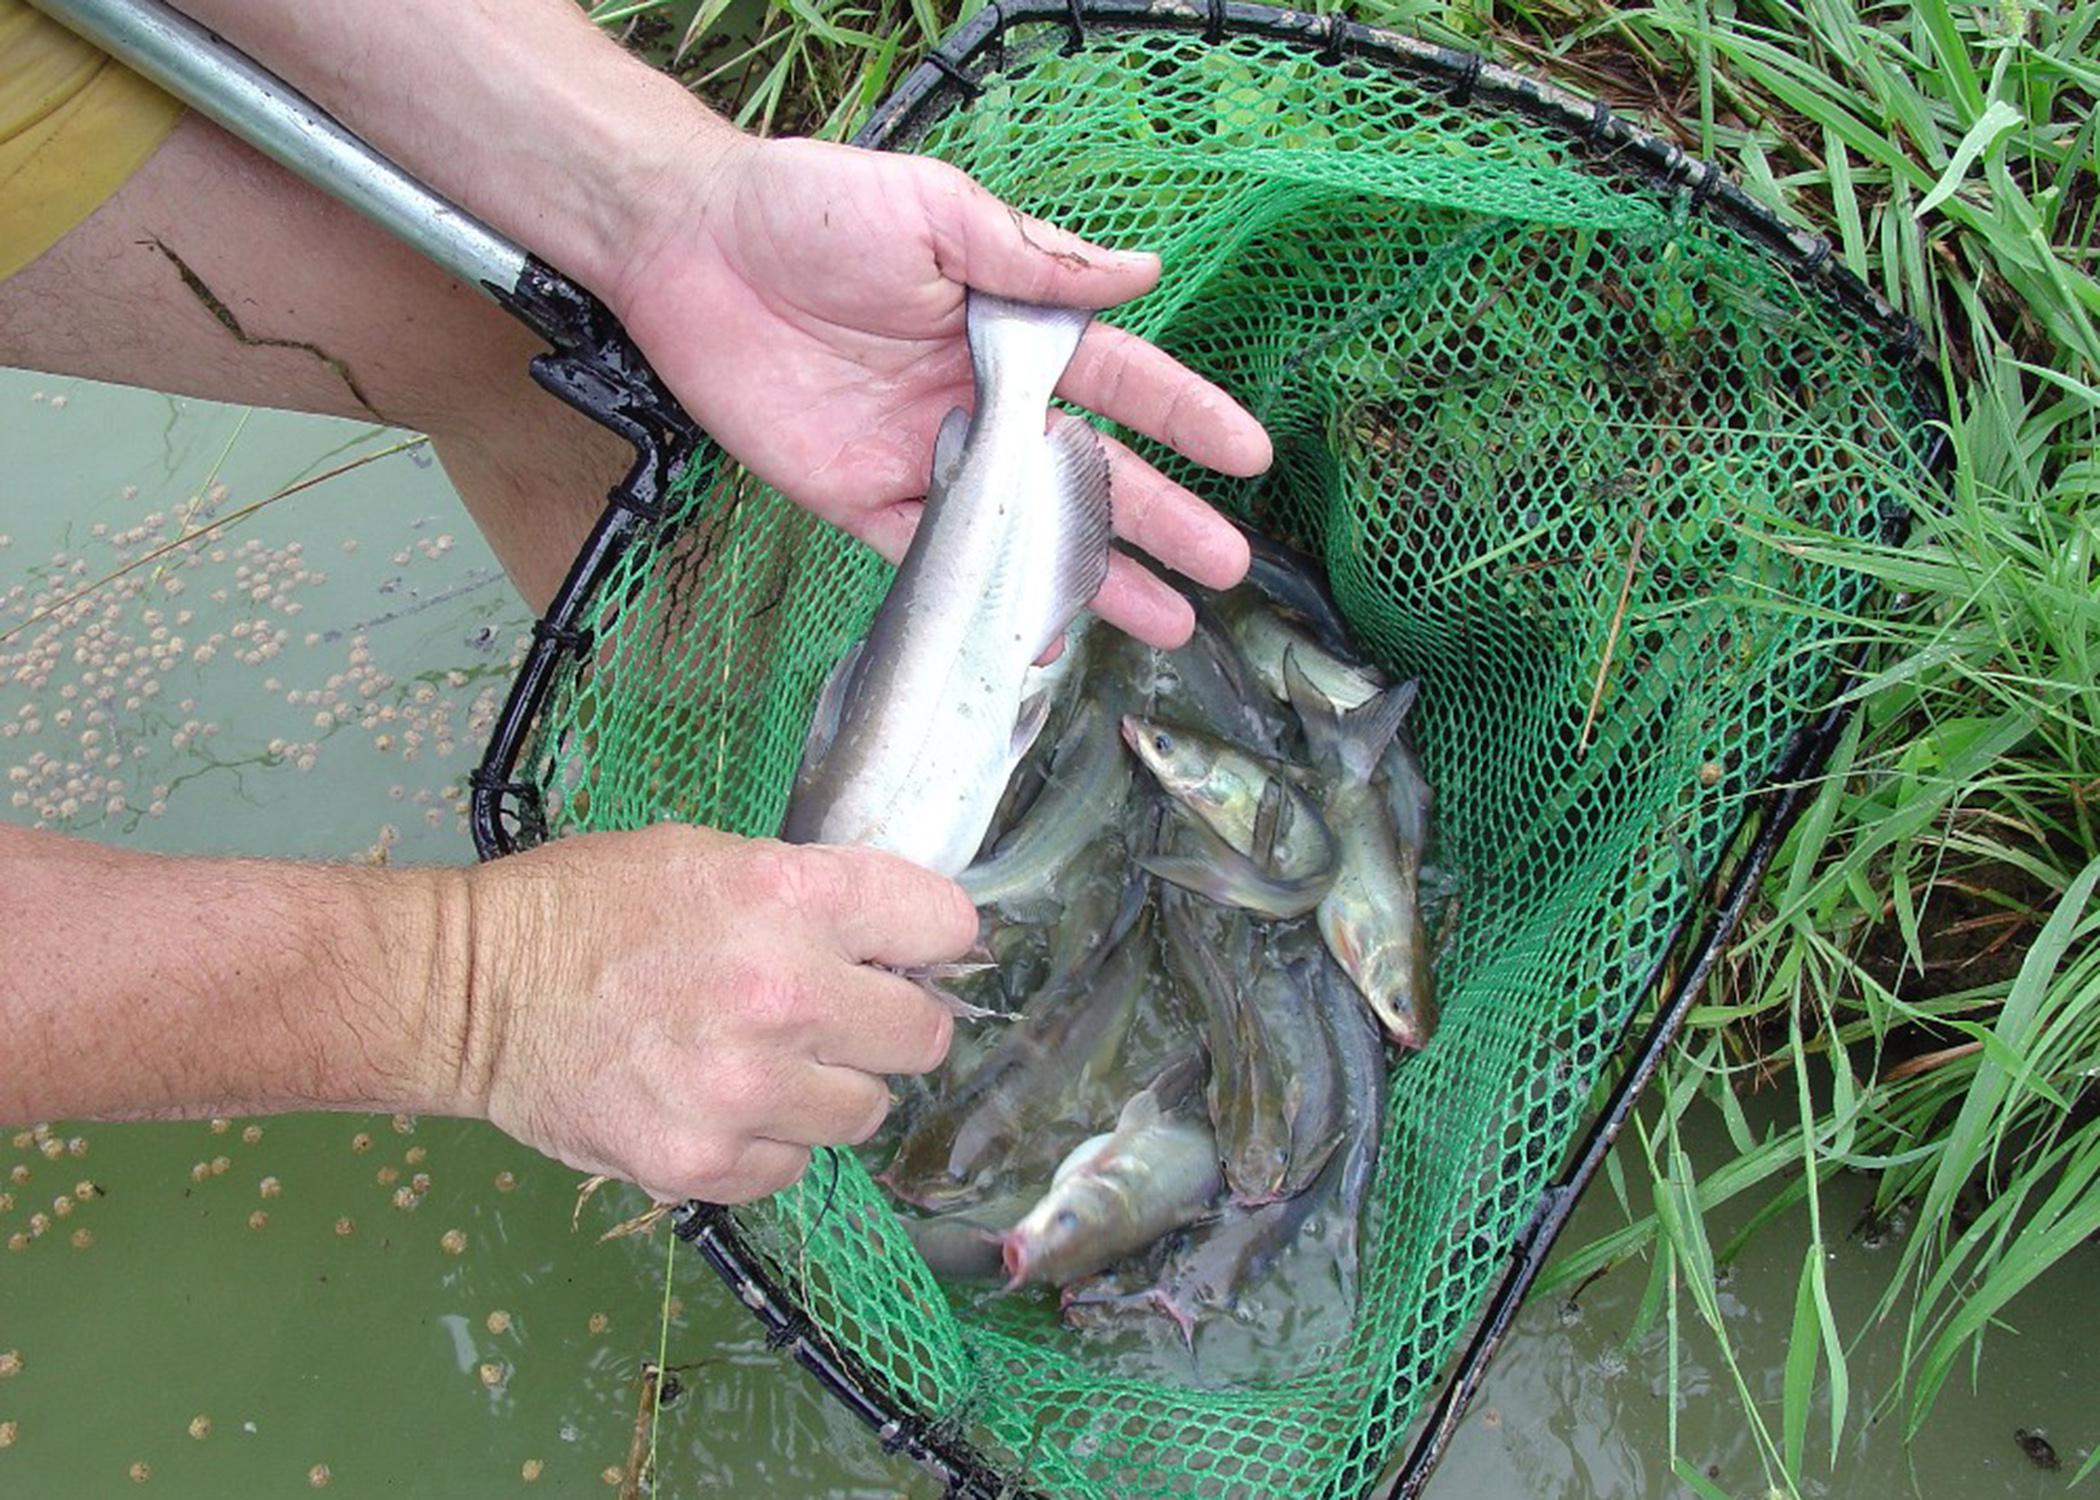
{"x":1180,"y":1080}
{"x":1028,"y":723}
{"x":1323,"y":725}
{"x":1353,"y":742}
{"x":1369,"y":728}
{"x":948,"y":446}
{"x":831,"y":707}
{"x":1141,"y":1112}
{"x":1080,"y":485}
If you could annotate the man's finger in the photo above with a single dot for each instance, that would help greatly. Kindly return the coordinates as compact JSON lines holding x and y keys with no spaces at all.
{"x":826,"y":1106}
{"x":762,"y":1168}
{"x":887,"y":910}
{"x":882,"y":1023}
{"x":765,"y":1168}
{"x":982,"y":242}
{"x":1134,"y":601}
{"x":1171,"y":523}
{"x":1147,"y":390}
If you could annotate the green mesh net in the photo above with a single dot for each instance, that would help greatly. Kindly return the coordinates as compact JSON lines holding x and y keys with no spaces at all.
{"x":1547,"y":422}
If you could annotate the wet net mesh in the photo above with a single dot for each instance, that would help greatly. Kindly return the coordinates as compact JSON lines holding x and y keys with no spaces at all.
{"x":1550,"y":426}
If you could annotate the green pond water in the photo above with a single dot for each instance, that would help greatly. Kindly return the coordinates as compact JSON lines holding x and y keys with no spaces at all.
{"x":414,"y":1311}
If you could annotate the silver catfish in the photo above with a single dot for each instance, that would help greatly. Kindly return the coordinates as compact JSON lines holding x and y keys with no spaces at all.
{"x":922,"y":723}
{"x":1119,"y":1192}
{"x":1371,"y":916}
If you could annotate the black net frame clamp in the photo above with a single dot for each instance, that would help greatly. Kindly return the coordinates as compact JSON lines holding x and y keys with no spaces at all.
{"x":612,"y":388}
{"x":595,"y":367}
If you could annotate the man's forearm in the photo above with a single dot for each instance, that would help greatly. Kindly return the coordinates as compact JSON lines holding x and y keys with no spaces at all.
{"x":134,"y":986}
{"x":519,"y":110}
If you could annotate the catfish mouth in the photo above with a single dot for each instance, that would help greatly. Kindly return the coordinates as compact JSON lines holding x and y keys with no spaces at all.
{"x":1402,"y":1027}
{"x":1013,"y":1257}
{"x":937,"y":1195}
{"x":1133,"y":734}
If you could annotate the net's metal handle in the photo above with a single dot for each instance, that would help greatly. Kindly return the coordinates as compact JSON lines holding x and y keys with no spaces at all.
{"x":595,"y":367}
{"x":227,"y":86}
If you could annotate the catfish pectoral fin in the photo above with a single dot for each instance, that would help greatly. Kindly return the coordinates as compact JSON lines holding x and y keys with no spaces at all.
{"x":1306,"y":1169}
{"x":1234,"y":881}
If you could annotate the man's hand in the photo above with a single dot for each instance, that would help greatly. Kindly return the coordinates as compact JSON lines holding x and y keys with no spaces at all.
{"x":676,"y":1007}
{"x":692,"y":1011}
{"x":805,"y":302}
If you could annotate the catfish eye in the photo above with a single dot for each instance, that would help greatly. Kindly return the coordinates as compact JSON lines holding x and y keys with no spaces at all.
{"x":1162,"y":742}
{"x":1065,"y":1221}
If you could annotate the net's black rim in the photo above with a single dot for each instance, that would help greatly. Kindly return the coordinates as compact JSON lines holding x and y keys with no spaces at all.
{"x":507,"y":812}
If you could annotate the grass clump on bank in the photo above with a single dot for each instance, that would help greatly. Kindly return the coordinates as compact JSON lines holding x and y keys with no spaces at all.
{"x":1922,"y":977}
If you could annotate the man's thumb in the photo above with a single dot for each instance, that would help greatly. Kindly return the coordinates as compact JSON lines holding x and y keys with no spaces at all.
{"x":994,"y":247}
